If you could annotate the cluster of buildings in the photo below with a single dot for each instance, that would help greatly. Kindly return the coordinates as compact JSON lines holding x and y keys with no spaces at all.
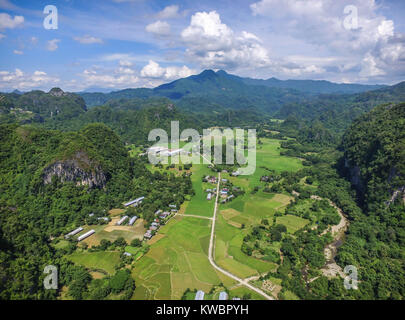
{"x":210,"y":179}
{"x":76,"y":231}
{"x":159,"y":214}
{"x":225,"y":196}
{"x":82,"y":237}
{"x":200,"y":295}
{"x":125,"y":218}
{"x":154,"y":226}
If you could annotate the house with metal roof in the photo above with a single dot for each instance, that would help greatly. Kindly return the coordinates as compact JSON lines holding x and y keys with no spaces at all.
{"x":199,"y":295}
{"x":86,"y":235}
{"x":134,"y":202}
{"x":223,"y":296}
{"x":76,"y":231}
{"x":121,"y":221}
{"x":132,"y":220}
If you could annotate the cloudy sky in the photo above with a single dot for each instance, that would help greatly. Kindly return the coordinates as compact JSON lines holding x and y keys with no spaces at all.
{"x":117,"y":44}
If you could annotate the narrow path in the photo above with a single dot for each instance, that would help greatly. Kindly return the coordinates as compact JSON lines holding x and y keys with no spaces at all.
{"x":244,"y":282}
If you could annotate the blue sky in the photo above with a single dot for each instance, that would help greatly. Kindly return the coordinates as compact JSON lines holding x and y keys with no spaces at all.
{"x":116,"y":44}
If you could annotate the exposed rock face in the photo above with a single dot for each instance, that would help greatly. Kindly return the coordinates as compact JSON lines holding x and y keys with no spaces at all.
{"x":73,"y":170}
{"x":57,"y":92}
{"x":357,"y":181}
{"x":355,"y":177}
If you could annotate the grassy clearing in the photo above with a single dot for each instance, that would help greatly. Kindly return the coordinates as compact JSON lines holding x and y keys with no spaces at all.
{"x":293,"y":223}
{"x":105,"y":260}
{"x":199,"y":205}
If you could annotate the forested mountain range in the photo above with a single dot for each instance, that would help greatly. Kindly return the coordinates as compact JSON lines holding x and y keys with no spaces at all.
{"x":229,"y":91}
{"x":210,"y":98}
{"x":336,"y":112}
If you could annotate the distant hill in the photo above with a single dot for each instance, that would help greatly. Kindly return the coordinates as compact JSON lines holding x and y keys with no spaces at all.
{"x":221,"y":90}
{"x":37,"y":106}
{"x":313,"y":86}
{"x":100,"y":98}
{"x":338,"y":111}
{"x":213,"y":91}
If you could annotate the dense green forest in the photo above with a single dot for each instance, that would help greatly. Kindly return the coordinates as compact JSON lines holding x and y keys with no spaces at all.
{"x":93,"y":174}
{"x":336,"y":112}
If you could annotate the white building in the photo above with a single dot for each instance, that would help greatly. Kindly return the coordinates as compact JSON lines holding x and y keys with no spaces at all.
{"x":132,"y":220}
{"x":134,"y":202}
{"x":87,"y":234}
{"x":122,"y":220}
{"x":73,"y":232}
{"x":223,"y":296}
{"x":209,"y":196}
{"x":199,"y":295}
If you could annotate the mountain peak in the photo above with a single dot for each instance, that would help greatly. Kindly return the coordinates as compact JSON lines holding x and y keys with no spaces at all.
{"x":208,"y":72}
{"x":222,"y":72}
{"x":56,"y":92}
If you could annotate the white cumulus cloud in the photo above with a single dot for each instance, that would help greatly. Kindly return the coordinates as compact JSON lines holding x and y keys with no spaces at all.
{"x":52,"y":45}
{"x":26,"y":81}
{"x":7,"y":22}
{"x":159,"y":28}
{"x":169,"y":12}
{"x":154,"y":70}
{"x":215,"y":45}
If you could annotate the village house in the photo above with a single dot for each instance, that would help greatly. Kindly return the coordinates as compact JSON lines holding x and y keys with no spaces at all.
{"x":148,"y":234}
{"x":164,"y":215}
{"x":223,"y":296}
{"x":199,"y":295}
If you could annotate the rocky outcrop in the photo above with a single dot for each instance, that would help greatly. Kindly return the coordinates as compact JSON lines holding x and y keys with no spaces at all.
{"x":355,"y":177}
{"x":57,"y":92}
{"x":80,"y":170}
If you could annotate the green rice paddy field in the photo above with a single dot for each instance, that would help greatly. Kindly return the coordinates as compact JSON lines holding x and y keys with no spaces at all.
{"x":179,"y":260}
